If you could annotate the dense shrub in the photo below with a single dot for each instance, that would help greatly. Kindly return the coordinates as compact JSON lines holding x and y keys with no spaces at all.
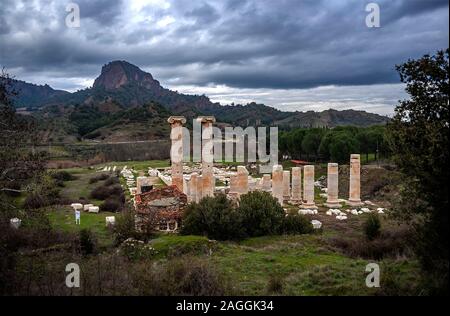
{"x":296,"y":224}
{"x":111,"y":180}
{"x":186,"y":276}
{"x":275,"y":285}
{"x":261,"y":214}
{"x":35,"y":200}
{"x":372,"y":226}
{"x":88,"y":242}
{"x":15,"y":186}
{"x":134,"y":249}
{"x":391,"y":243}
{"x":103,"y":192}
{"x":124,"y":227}
{"x":63,"y":176}
{"x":43,"y":194}
{"x":111,"y":205}
{"x":258,"y":214}
{"x":97,"y":178}
{"x":213,"y":217}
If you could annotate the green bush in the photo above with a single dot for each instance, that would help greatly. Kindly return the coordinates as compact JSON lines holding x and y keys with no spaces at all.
{"x":372,"y":226}
{"x":111,"y":205}
{"x":103,"y":192}
{"x":112,"y":181}
{"x":88,"y":242}
{"x":97,"y":178}
{"x":63,"y":176}
{"x":35,"y":200}
{"x":124,"y":227}
{"x":261,"y":214}
{"x":213,"y":217}
{"x":275,"y":285}
{"x":134,"y":249}
{"x":185,"y":276}
{"x":296,"y":224}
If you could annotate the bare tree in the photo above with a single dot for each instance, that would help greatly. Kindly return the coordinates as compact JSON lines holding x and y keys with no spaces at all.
{"x":19,"y":162}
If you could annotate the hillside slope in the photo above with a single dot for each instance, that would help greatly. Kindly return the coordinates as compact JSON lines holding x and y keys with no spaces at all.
{"x":122,"y":89}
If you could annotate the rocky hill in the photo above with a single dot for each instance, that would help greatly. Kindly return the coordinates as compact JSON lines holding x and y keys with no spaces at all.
{"x":109,"y":109}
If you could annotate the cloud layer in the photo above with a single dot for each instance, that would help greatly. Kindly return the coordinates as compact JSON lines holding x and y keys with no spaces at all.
{"x":281,"y":52}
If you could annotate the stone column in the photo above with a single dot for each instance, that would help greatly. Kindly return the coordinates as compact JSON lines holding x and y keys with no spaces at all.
{"x":233,"y":183}
{"x":354,"y":198}
{"x":253,"y":184}
{"x":242,"y":180}
{"x":187,"y":188}
{"x":333,"y":186}
{"x":207,"y":155}
{"x":266,"y":183}
{"x":199,"y":194}
{"x":176,"y":151}
{"x":277,"y":183}
{"x":193,"y":187}
{"x":286,"y":186}
{"x":296,"y":185}
{"x":308,"y":188}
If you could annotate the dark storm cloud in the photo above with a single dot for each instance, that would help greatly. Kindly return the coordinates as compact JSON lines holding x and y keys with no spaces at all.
{"x":283,"y":44}
{"x":105,"y":12}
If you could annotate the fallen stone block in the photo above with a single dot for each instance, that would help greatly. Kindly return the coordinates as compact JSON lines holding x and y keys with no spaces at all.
{"x":94,"y":209}
{"x":110,"y":220}
{"x":316,"y":224}
{"x":87,"y":206}
{"x":15,"y":222}
{"x":76,"y":206}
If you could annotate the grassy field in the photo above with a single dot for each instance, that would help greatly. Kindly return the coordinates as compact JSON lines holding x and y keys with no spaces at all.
{"x":80,"y":188}
{"x":303,"y":264}
{"x":63,"y":218}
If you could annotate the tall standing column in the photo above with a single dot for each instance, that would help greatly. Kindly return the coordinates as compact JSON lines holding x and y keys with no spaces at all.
{"x":234,"y":184}
{"x":199,"y":194}
{"x":242,"y":180}
{"x":333,"y":186}
{"x":193,"y":187}
{"x":207,"y":155}
{"x":296,"y":185}
{"x":176,"y":151}
{"x":277,"y":183}
{"x":308,"y":188}
{"x":266,"y":183}
{"x":355,"y":180}
{"x":286,"y":185}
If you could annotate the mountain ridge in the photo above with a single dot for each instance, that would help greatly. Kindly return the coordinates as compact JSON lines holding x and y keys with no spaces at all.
{"x":122,"y":86}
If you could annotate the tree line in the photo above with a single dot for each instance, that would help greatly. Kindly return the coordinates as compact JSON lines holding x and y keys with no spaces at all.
{"x":334,"y":144}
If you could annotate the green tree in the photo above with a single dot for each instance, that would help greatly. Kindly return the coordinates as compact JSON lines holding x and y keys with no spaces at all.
{"x":324,"y":148}
{"x":19,"y":162}
{"x":342,"y":146}
{"x":419,"y":135}
{"x":364,"y":143}
{"x":372,"y":226}
{"x":311,"y":141}
{"x":213,"y":217}
{"x":261,"y":214}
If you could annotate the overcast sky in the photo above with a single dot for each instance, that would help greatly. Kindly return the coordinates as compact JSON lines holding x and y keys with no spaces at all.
{"x":290,"y":54}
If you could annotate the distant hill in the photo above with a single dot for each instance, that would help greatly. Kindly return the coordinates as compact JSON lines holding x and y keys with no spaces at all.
{"x":103,"y":122}
{"x":331,"y":118}
{"x":31,"y":95}
{"x":123,"y":95}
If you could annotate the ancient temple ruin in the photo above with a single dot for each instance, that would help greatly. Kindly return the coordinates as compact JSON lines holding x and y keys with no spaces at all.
{"x":189,"y":182}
